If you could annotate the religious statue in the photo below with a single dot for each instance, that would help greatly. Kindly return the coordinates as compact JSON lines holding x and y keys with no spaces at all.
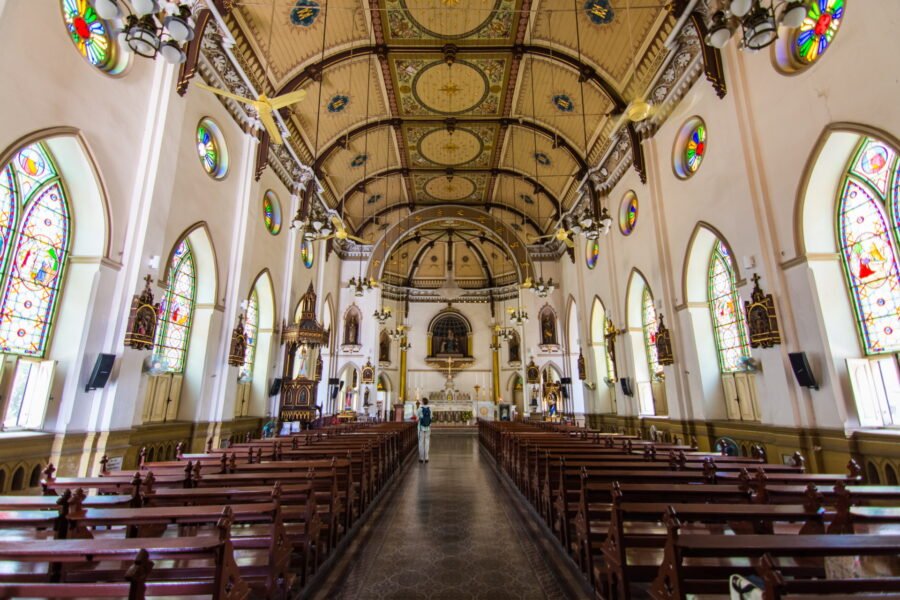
{"x":448,"y":346}
{"x":351,"y":331}
{"x":514,"y":351}
{"x":304,"y":357}
{"x":384,"y":349}
{"x":366,"y":398}
{"x":551,"y":403}
{"x":548,"y":329}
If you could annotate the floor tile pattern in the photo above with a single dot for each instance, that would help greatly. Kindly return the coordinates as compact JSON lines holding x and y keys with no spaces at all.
{"x":448,"y":530}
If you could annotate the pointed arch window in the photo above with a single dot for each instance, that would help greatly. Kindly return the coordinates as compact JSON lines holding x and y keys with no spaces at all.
{"x":868,"y":226}
{"x":649,"y":323}
{"x":725,"y":308}
{"x":176,"y":312}
{"x":251,"y":329}
{"x":35,"y":232}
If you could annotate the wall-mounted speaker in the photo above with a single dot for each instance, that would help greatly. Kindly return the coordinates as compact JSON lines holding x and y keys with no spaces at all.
{"x":625,"y":382}
{"x":100,"y":375}
{"x":565,"y":380}
{"x":275,"y":387}
{"x":802,"y":371}
{"x":333,"y":381}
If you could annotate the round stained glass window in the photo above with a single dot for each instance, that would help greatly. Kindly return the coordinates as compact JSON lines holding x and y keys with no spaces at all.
{"x":272,"y":212}
{"x":90,"y":34}
{"x":628,"y":213}
{"x":211,"y":149}
{"x":592,"y":253}
{"x":815,"y":34}
{"x":690,"y":147}
{"x":307,"y":254}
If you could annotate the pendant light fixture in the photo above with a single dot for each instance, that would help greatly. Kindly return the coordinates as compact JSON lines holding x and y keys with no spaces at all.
{"x":150,"y":31}
{"x":758,"y":20}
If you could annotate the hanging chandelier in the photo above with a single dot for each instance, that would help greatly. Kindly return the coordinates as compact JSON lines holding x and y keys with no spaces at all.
{"x":517,"y":315}
{"x":147,"y":32}
{"x":382,"y":314}
{"x":398,"y":333}
{"x":360,"y":285}
{"x":543,"y":288}
{"x":757,"y":19}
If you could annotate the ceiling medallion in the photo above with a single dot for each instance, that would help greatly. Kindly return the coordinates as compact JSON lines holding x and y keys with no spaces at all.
{"x":305,"y":13}
{"x":338,"y":103}
{"x":418,"y":17}
{"x":359,"y":160}
{"x":563,"y":103}
{"x":599,"y":12}
{"x":542,"y":159}
{"x":373,"y":199}
{"x":526,"y":199}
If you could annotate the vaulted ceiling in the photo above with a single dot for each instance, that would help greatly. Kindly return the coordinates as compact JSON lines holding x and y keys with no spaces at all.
{"x":497,"y":104}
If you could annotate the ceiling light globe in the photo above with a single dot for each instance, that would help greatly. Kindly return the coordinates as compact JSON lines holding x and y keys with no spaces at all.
{"x":739,"y":8}
{"x":107,"y":9}
{"x":142,"y":40}
{"x":145,"y":7}
{"x":172,"y":53}
{"x":718,"y":36}
{"x":178,"y":25}
{"x":793,"y":14}
{"x":760,"y":29}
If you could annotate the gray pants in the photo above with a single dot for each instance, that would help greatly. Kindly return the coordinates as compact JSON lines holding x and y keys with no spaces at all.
{"x":424,"y":442}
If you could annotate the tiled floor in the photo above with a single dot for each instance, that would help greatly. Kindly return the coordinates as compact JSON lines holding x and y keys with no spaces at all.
{"x":451,"y":529}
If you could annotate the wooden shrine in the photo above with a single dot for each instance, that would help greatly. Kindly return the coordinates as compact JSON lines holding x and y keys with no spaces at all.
{"x":302,"y":364}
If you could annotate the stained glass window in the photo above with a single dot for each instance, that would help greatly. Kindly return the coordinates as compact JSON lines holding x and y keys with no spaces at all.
{"x":34,"y":243}
{"x":272,"y":212}
{"x":648,"y":321}
{"x":307,"y":254}
{"x":695,"y":148}
{"x":211,"y":149}
{"x":176,"y":311}
{"x":628,"y":213}
{"x":592,"y":253}
{"x":251,"y":328}
{"x":725,"y":308}
{"x":815,"y":34}
{"x":868,"y":241}
{"x":89,"y":33}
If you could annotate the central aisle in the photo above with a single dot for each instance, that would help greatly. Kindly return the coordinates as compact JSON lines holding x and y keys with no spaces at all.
{"x":450,"y":529}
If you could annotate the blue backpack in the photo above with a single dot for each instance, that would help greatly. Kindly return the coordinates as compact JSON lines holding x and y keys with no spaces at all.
{"x":425,"y":421}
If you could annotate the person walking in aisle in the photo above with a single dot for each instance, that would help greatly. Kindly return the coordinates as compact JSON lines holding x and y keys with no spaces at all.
{"x":423,"y":416}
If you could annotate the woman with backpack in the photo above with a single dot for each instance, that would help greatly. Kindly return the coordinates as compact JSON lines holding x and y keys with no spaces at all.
{"x":423,"y":416}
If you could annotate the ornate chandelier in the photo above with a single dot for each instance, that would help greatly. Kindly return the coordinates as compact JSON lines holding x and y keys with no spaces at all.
{"x":757,"y":19}
{"x":382,"y":314}
{"x":360,"y":285}
{"x":147,"y":33}
{"x":517,"y":315}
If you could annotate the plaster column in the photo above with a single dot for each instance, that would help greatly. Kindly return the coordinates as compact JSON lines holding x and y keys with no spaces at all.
{"x":401,"y":395}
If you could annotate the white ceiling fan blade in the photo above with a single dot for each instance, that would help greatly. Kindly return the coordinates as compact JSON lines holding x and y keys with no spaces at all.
{"x":269,"y":123}
{"x":224,"y":93}
{"x":287,"y":99}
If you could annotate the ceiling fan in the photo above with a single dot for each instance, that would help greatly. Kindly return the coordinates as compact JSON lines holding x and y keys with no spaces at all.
{"x":340,"y":231}
{"x":264,"y":106}
{"x":562,"y":234}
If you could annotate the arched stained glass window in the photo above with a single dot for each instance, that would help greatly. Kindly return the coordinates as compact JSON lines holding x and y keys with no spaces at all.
{"x":725,"y":308}
{"x":868,"y":241}
{"x":251,"y":328}
{"x":176,"y":312}
{"x":648,"y":321}
{"x":34,"y":244}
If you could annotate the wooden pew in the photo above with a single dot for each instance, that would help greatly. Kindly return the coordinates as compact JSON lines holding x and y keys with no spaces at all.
{"x":702,"y":563}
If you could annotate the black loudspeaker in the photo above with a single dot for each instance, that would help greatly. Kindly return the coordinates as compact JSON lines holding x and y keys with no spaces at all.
{"x":333,"y":381}
{"x":275,"y":387}
{"x":626,"y":386}
{"x":802,"y":371}
{"x":565,"y":380}
{"x":100,"y":374}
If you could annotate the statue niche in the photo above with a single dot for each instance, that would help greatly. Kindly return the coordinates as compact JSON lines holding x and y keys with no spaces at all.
{"x":351,"y":329}
{"x":384,"y":348}
{"x":548,"y":327}
{"x":449,"y":336}
{"x":515,"y":353}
